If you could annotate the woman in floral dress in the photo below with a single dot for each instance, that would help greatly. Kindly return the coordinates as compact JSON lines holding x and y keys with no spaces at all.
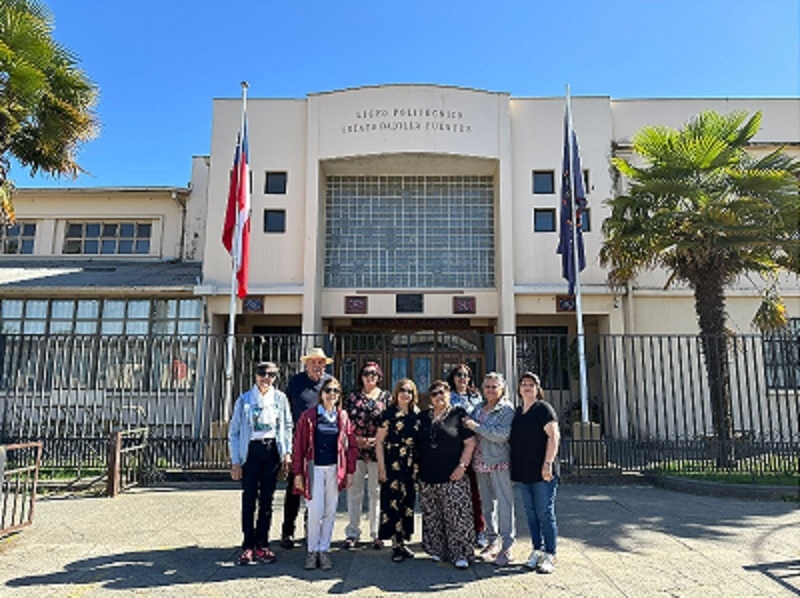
{"x":397,"y":468}
{"x":364,"y":407}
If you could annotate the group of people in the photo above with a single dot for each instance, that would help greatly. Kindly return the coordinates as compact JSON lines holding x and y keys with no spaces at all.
{"x":461,"y":459}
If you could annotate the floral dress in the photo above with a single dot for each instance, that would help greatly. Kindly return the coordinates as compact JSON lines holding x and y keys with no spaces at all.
{"x":365,"y":415}
{"x":398,"y":492}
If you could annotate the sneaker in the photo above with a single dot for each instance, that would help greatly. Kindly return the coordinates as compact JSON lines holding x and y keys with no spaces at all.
{"x":436,"y":558}
{"x":287,"y":543}
{"x":264,"y":555}
{"x":481,"y":541}
{"x":325,"y":562}
{"x":503,"y":558}
{"x":461,"y":563}
{"x":247,"y":557}
{"x":349,"y":543}
{"x":407,"y":552}
{"x":311,"y":561}
{"x":547,"y":564}
{"x":489,"y":552}
{"x":533,"y":559}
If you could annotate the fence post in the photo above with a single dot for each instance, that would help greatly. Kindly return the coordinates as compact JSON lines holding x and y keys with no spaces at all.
{"x":114,"y":456}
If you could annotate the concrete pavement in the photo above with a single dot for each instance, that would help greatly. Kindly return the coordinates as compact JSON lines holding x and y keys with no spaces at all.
{"x":182,"y":540}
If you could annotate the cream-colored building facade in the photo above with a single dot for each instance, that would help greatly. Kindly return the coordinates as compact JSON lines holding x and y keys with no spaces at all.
{"x":424,"y":214}
{"x":404,"y":134}
{"x":410,"y":207}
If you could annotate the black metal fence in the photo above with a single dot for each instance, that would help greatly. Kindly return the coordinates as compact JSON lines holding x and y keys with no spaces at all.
{"x":19,"y":474}
{"x":654,"y":401}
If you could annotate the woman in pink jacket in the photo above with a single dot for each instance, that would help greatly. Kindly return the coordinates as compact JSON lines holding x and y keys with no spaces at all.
{"x":323,"y":461}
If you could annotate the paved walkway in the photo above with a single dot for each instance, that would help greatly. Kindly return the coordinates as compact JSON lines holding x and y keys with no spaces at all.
{"x":614,"y":541}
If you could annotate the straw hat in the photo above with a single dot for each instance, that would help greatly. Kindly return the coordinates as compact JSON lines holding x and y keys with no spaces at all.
{"x":316,"y":353}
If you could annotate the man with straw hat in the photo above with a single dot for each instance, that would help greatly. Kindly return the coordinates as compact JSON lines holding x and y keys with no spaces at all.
{"x":303,"y":392}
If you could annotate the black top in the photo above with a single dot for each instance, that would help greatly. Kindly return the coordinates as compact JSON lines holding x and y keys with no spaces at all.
{"x":528,"y":442}
{"x":303,"y":392}
{"x":439,"y":445}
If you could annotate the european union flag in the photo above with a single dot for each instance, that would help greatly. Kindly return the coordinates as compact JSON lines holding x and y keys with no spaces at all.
{"x":566,"y":241}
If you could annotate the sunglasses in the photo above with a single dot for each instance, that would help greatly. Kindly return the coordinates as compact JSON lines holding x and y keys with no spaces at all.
{"x":436,"y":393}
{"x":409,"y":391}
{"x":332,"y":390}
{"x":370,"y":373}
{"x":462,"y":375}
{"x":264,"y":373}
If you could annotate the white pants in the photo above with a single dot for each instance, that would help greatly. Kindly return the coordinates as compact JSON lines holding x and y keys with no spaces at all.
{"x":365,"y":471}
{"x":321,"y":507}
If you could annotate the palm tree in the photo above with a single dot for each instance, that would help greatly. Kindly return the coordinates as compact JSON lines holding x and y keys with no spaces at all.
{"x":707,"y":211}
{"x":46,"y":101}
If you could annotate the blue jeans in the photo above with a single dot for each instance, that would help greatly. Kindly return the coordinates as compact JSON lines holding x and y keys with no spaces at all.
{"x":539,"y":499}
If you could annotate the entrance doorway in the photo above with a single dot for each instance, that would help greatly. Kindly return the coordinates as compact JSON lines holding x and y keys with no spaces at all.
{"x":422,"y":355}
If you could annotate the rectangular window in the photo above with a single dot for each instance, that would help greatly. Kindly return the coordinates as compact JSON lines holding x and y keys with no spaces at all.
{"x":409,"y":232}
{"x":544,"y":181}
{"x":274,"y":221}
{"x":108,"y":238}
{"x":17,"y":239}
{"x":544,"y":220}
{"x":782,"y":356}
{"x":586,"y":186}
{"x":586,"y":221}
{"x":275,"y":183}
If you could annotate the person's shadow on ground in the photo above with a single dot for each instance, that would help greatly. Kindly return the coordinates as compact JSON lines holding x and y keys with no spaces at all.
{"x":353,"y":570}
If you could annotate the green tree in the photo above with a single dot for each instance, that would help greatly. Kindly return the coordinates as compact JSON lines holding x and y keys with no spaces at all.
{"x":46,"y":101}
{"x":705,"y":209}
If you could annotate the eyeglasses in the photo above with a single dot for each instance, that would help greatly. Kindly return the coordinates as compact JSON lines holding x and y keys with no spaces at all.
{"x":370,"y":373}
{"x":264,"y":373}
{"x":332,"y":390}
{"x":436,"y":393}
{"x":409,"y":391}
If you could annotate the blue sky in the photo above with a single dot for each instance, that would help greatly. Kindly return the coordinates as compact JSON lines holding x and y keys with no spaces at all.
{"x":160,"y":63}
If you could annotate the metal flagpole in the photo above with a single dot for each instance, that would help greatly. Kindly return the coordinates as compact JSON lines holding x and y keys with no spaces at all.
{"x":236,"y":256}
{"x":576,"y":266}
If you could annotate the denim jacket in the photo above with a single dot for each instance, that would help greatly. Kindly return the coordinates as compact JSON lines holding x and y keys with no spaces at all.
{"x":493,"y":434}
{"x":241,"y":427}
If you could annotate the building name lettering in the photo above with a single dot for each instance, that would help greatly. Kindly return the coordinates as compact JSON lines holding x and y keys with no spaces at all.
{"x":370,"y":120}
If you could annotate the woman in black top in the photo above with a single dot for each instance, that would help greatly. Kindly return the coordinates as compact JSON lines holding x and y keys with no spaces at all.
{"x":445,"y":447}
{"x":534,"y":445}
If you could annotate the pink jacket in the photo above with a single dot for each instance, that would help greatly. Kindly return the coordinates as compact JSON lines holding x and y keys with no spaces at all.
{"x":303,"y":450}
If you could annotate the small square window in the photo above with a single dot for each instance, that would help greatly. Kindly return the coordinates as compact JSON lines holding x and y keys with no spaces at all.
{"x":274,"y":221}
{"x":544,"y":221}
{"x":275,"y":183}
{"x":543,"y":181}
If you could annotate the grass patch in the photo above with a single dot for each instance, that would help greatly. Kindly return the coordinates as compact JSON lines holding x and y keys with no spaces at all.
{"x":767,"y":470}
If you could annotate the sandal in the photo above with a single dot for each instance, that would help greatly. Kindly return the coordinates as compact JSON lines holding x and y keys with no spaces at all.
{"x":398,"y":556}
{"x":349,"y":543}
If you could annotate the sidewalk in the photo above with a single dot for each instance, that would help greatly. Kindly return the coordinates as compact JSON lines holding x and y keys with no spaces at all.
{"x":614,"y":541}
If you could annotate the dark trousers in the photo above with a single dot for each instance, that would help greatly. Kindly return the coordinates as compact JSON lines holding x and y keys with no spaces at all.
{"x":291,"y":507}
{"x":259,"y":476}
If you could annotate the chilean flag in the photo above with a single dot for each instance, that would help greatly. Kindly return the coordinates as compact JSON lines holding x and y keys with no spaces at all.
{"x":236,"y":232}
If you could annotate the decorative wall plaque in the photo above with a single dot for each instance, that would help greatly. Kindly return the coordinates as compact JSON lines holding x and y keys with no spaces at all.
{"x":355,"y":304}
{"x":253,"y":305}
{"x":463,"y":305}
{"x":409,"y":304}
{"x":565,"y":302}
